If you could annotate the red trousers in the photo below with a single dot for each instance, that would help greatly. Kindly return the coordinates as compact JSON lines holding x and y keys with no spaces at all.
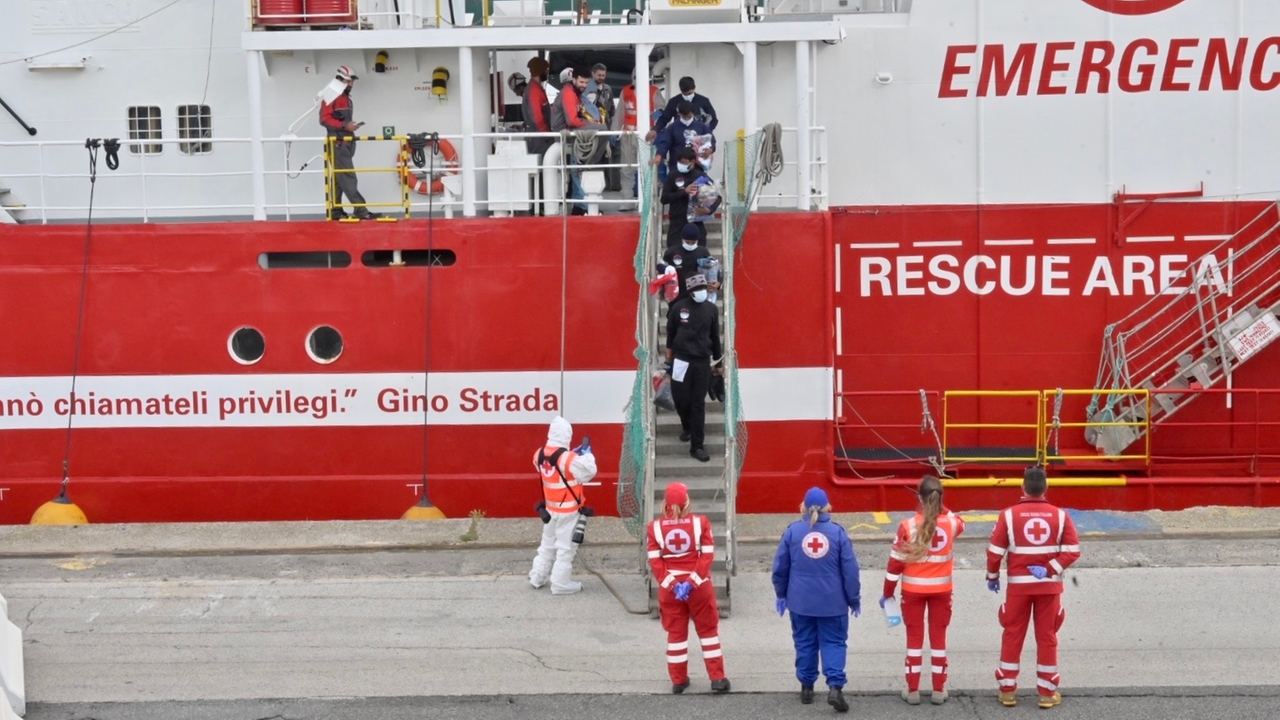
{"x":1015,"y":614}
{"x":705,"y":613}
{"x":913,"y":616}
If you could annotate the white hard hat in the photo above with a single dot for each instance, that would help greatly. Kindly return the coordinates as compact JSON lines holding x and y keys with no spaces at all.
{"x":566,"y":75}
{"x":344,"y":73}
{"x":517,"y":78}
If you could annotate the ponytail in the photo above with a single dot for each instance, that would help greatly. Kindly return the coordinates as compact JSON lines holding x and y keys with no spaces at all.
{"x":812,"y":512}
{"x":677,"y":511}
{"x":917,"y":546}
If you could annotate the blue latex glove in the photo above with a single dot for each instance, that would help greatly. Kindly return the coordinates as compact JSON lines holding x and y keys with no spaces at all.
{"x":781,"y":606}
{"x":1038,"y":571}
{"x":883,"y":600}
{"x":855,"y":608}
{"x":993,"y":586}
{"x":682,"y":590}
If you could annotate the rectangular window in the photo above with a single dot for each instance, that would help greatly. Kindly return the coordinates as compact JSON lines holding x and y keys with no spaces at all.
{"x":144,"y":124}
{"x":195,"y":123}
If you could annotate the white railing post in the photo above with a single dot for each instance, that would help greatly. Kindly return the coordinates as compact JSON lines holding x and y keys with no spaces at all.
{"x":802,"y":125}
{"x":643,"y":111}
{"x":467,"y":153}
{"x":253,"y":61}
{"x":749,"y":107}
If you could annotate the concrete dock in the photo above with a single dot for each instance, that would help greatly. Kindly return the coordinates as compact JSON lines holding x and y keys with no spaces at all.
{"x":1169,"y":615}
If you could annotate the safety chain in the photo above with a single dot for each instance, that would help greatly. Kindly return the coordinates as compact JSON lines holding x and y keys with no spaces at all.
{"x":1057,"y":420}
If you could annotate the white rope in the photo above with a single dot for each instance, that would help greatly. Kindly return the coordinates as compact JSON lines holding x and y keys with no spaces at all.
{"x":769,"y":163}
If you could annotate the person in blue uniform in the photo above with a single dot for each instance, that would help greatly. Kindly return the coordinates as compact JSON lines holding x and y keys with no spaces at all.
{"x":815,"y":576}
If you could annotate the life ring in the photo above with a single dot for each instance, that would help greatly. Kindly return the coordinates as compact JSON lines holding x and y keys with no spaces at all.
{"x":416,"y":179}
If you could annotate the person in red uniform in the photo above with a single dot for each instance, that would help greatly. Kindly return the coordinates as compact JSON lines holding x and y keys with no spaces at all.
{"x":337,"y":118}
{"x":921,"y":559}
{"x":535,"y":108}
{"x":681,"y":551}
{"x":1040,"y":543}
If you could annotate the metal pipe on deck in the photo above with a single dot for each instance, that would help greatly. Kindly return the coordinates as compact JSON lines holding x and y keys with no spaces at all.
{"x":467,"y":153}
{"x":253,"y":65}
{"x":803,"y":121}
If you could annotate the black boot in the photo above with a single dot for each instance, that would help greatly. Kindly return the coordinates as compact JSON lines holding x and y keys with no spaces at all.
{"x":679,"y":689}
{"x":835,"y":698}
{"x":806,"y":694}
{"x":720,"y":687}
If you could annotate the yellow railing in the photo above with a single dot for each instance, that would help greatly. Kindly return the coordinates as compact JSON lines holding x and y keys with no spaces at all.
{"x":1052,"y":396}
{"x":1047,"y":406}
{"x":331,"y":174}
{"x":1035,"y":425}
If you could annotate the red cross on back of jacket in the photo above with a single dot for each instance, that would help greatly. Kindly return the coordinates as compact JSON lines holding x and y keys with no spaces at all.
{"x":1033,"y":532}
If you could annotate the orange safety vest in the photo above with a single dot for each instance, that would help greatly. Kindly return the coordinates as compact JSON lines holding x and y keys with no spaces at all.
{"x":629,"y":106}
{"x":932,"y":574}
{"x":559,"y":492}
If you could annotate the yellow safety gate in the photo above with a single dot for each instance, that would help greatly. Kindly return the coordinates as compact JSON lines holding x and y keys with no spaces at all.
{"x":331,"y":173}
{"x":1044,"y":420}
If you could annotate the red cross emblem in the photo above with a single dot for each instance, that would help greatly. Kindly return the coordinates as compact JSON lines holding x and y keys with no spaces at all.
{"x":939,"y":541}
{"x":815,"y":545}
{"x":1037,"y":531}
{"x":678,"y":541}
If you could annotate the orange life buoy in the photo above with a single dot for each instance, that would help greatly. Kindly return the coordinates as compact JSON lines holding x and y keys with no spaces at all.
{"x":417,"y":180}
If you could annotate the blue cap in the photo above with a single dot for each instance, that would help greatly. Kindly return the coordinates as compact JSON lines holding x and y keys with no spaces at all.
{"x":816,"y":497}
{"x":690,"y":232}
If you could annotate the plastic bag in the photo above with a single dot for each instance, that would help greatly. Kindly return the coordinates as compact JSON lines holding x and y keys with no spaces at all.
{"x":710,"y":267}
{"x":708,"y":196}
{"x":662,"y":396}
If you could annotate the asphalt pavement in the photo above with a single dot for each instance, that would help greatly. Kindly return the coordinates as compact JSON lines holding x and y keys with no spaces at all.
{"x":1162,"y":623}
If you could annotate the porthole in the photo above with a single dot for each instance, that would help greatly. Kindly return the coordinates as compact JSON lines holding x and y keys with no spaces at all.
{"x":246,"y":345}
{"x":324,"y":344}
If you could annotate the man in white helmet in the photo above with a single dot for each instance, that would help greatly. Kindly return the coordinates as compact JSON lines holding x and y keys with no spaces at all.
{"x":564,"y":472}
{"x":337,"y":119}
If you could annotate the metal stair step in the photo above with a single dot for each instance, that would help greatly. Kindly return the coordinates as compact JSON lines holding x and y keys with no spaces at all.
{"x":671,"y":444}
{"x":690,"y":470}
{"x":715,"y":418}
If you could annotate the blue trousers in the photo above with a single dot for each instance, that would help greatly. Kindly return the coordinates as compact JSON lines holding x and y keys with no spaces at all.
{"x":826,"y":635}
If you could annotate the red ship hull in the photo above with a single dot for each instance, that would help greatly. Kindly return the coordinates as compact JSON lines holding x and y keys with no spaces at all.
{"x":162,"y":301}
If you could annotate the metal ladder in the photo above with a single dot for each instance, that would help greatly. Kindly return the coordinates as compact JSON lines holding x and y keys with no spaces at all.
{"x":1223,"y":313}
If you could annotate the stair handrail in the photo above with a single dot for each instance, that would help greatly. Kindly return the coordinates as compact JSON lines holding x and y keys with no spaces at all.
{"x":650,"y":322}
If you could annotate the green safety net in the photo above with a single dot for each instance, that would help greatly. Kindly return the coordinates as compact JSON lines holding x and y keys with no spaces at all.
{"x":740,"y":188}
{"x":634,"y":460}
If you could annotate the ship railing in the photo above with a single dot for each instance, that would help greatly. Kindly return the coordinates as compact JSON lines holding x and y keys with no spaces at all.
{"x":161,"y":186}
{"x":420,"y":14}
{"x":1243,"y":427}
{"x":981,"y":427}
{"x":784,"y":191}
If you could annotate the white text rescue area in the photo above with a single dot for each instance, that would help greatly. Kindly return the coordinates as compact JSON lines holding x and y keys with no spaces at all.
{"x":1048,"y":275}
{"x":1142,"y":65}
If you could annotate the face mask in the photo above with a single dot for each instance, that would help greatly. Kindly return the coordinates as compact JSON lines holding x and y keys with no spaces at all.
{"x":682,"y":167}
{"x":705,"y":162}
{"x":699,"y":295}
{"x":688,"y":247}
{"x":687,"y":121}
{"x":688,"y":98}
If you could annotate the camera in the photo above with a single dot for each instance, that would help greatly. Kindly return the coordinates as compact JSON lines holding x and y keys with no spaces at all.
{"x":543,"y":513}
{"x":580,"y":530}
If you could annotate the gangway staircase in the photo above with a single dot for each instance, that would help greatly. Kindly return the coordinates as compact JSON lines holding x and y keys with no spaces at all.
{"x":12,"y":212}
{"x":1219,"y":313}
{"x":709,"y":482}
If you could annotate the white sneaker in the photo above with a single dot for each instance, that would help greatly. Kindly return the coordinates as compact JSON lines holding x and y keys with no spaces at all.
{"x":568,"y":589}
{"x":537,"y":585}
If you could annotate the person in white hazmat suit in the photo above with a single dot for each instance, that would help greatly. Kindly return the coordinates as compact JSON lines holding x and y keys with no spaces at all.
{"x":563,"y":472}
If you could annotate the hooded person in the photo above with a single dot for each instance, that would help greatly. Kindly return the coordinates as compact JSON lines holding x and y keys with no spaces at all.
{"x":815,"y":576}
{"x":563,"y":472}
{"x":681,"y":551}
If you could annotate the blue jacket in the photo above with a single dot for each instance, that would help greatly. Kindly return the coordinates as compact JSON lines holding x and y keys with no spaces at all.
{"x":702,"y":111}
{"x":816,"y":569}
{"x":676,"y":136}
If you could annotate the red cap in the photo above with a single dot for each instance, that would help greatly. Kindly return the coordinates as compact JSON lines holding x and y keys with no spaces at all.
{"x":677,"y":494}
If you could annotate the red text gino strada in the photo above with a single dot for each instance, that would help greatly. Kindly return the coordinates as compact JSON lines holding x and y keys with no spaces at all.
{"x":1097,"y":66}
